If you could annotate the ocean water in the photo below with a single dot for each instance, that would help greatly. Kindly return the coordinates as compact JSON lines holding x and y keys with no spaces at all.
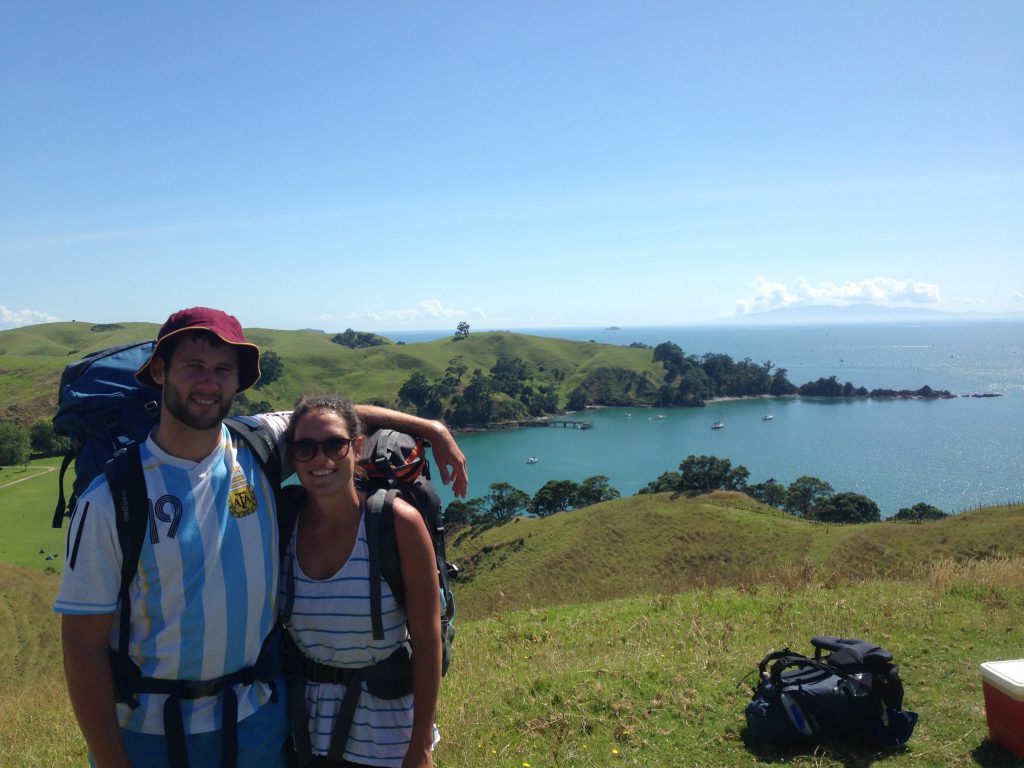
{"x":956,"y":454}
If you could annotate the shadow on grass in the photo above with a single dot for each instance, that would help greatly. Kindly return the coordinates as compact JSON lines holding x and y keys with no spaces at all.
{"x":987,"y":754}
{"x":993,"y":755}
{"x":475,"y":531}
{"x":847,"y":753}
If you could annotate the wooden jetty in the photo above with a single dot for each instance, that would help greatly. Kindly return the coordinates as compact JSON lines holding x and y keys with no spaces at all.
{"x":560,"y":423}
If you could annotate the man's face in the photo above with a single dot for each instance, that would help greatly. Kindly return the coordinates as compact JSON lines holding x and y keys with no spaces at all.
{"x":199,"y":382}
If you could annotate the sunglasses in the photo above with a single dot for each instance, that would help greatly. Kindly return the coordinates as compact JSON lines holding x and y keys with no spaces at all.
{"x":334,"y":448}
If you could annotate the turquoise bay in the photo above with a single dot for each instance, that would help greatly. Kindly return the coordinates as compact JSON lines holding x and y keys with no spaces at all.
{"x":956,"y":454}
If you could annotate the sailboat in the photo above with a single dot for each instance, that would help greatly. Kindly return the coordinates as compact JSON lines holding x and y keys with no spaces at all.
{"x":719,"y":424}
{"x":768,"y":416}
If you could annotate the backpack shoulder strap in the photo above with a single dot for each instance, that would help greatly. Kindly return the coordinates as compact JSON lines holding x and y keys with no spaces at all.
{"x":258,"y":437}
{"x":380,"y":542}
{"x":131,"y":513}
{"x":289,"y":504}
{"x":62,"y":506}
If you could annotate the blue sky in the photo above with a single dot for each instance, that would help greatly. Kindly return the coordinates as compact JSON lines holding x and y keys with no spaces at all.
{"x":408,"y":165}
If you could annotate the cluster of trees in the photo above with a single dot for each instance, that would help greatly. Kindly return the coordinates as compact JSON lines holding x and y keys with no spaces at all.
{"x":505,"y":393}
{"x":807,"y":497}
{"x":271,"y":368}
{"x":18,"y":444}
{"x":504,"y":501}
{"x":691,"y":380}
{"x":359,"y":339}
{"x":831,"y":387}
{"x":920,"y":512}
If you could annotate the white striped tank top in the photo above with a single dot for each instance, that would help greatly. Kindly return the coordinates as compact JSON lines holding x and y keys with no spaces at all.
{"x":330,"y":623}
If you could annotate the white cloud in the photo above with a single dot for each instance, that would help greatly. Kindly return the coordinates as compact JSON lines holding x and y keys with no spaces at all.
{"x":769,"y":295}
{"x":429,"y":312}
{"x":1018,"y":298}
{"x":16,"y":318}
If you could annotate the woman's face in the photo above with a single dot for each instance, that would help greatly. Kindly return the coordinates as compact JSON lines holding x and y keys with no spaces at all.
{"x":331,"y":468}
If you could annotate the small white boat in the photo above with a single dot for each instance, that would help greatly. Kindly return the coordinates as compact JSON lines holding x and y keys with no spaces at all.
{"x":532,"y":460}
{"x":660,"y":416}
{"x":718,"y":424}
{"x":768,"y":416}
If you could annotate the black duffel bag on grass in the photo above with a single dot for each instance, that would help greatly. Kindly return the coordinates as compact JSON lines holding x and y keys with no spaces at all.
{"x":849,"y":688}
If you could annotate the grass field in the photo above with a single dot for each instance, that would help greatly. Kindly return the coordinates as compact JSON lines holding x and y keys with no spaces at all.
{"x":28,"y":496}
{"x":627,"y":633}
{"x":642,"y":681}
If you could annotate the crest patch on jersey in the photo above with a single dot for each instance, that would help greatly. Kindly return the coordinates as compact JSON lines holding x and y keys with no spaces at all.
{"x":242,"y":499}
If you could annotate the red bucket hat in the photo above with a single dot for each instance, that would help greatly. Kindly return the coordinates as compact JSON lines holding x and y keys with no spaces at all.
{"x":226,"y":327}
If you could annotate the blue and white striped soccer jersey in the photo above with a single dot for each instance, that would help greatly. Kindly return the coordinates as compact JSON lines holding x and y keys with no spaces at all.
{"x":204,"y":597}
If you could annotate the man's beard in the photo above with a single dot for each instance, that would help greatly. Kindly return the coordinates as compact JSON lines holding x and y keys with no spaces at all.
{"x":177,"y":406}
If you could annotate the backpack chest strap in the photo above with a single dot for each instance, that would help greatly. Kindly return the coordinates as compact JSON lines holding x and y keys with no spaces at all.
{"x":394,"y":673}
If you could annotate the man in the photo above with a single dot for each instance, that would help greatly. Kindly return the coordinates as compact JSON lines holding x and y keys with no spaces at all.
{"x":204,"y":598}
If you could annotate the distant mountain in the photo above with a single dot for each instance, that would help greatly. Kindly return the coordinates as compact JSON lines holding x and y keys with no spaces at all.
{"x":861,"y":313}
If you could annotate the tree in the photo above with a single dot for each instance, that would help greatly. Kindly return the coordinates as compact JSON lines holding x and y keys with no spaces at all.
{"x":46,"y":442}
{"x":455,"y":371}
{"x":359,"y":339}
{"x":577,"y":399}
{"x":462,"y":330}
{"x":509,"y":375}
{"x":667,"y":481}
{"x":543,"y":400}
{"x":459,"y":513}
{"x":780,"y":384}
{"x":414,"y":391}
{"x":15,"y":444}
{"x":594,"y":490}
{"x":848,"y":508}
{"x":805,"y":494}
{"x":709,"y":473}
{"x":554,"y":496}
{"x":769,"y":492}
{"x":474,"y":406}
{"x":919,"y":512}
{"x":243,"y":406}
{"x":671,"y":356}
{"x":505,"y":501}
{"x":271,"y":368}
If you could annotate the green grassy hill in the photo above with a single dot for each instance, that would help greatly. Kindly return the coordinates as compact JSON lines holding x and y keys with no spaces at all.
{"x":655,"y":544}
{"x":619,"y":634}
{"x":32,"y":358}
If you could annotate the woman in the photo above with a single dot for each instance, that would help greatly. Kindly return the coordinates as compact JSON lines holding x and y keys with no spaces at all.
{"x":391,"y":700}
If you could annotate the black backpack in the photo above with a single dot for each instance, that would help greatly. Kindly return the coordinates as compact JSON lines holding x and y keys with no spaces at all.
{"x":854,"y":690}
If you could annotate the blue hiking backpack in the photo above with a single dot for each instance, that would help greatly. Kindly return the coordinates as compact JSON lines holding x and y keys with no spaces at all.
{"x":107,"y":413}
{"x":853,"y":691}
{"x":102,"y":407}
